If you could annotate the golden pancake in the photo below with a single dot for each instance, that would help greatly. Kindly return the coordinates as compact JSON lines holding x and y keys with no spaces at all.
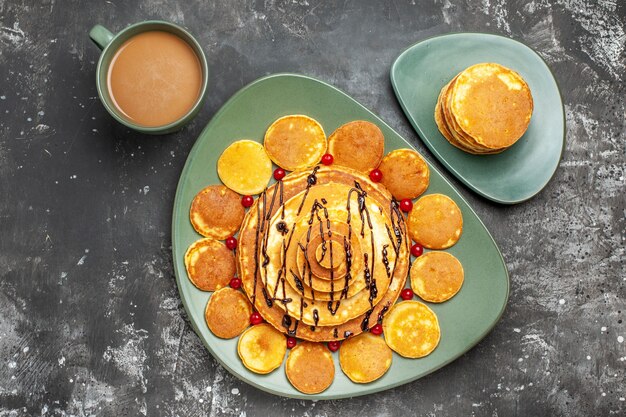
{"x":436,"y":276}
{"x":227,"y":313}
{"x":210,"y":264}
{"x":310,"y":367}
{"x":364,"y":358}
{"x":411,"y":329}
{"x":216,"y":212}
{"x":358,"y":145}
{"x":295,"y":142}
{"x":261,"y":226}
{"x":405,"y":173}
{"x":463,"y":137}
{"x":492,"y":104}
{"x":245,"y":167}
{"x":441,"y":122}
{"x":262,"y":348}
{"x":470,"y":144}
{"x":435,"y":222}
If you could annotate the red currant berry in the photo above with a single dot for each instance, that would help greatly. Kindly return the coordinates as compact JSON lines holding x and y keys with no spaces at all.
{"x":231,"y":243}
{"x":255,"y":318}
{"x":406,"y":205}
{"x":406,"y":294}
{"x":247,"y":200}
{"x":327,"y":159}
{"x":377,"y":330}
{"x":235,"y":283}
{"x":279,"y":174}
{"x":376,"y":175}
{"x":333,"y":345}
{"x":291,"y":342}
{"x":417,"y":250}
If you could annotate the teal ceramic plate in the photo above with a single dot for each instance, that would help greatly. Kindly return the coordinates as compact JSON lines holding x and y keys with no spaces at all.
{"x":464,"y":320}
{"x":521,"y":171}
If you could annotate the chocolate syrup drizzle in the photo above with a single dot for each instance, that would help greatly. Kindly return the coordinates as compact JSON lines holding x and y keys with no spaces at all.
{"x":382,"y":312}
{"x":268,"y":300}
{"x":311,"y":180}
{"x":256,"y":243}
{"x":287,"y":321}
{"x":397,"y":221}
{"x":386,"y":260}
{"x":298,"y":281}
{"x":282,"y":228}
{"x":366,"y":319}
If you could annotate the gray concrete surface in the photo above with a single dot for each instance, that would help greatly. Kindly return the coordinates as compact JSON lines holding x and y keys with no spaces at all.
{"x":90,"y":319}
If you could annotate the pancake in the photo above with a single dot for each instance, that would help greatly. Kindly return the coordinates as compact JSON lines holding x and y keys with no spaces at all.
{"x":456,"y":131}
{"x":295,"y":142}
{"x":210,"y":264}
{"x":411,"y":329}
{"x":435,"y":222}
{"x":358,"y":145}
{"x":227,"y":313}
{"x":405,"y":173}
{"x":484,"y":109}
{"x":245,"y":167}
{"x":262,"y":348}
{"x":261,"y":225}
{"x":364,"y":358}
{"x":310,"y":367}
{"x":216,"y":212}
{"x":441,"y":122}
{"x":436,"y":276}
{"x":492,"y":104}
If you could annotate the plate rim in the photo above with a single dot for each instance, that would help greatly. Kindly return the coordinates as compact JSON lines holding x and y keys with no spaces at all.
{"x":434,"y":150}
{"x":179,"y":275}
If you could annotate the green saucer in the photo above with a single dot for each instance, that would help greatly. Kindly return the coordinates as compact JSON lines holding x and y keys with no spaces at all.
{"x":521,"y":171}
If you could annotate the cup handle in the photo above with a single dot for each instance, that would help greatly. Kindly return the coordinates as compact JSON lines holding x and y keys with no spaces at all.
{"x":101,"y":36}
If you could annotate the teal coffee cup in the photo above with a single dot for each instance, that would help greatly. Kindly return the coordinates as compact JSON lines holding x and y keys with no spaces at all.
{"x":148,"y":75}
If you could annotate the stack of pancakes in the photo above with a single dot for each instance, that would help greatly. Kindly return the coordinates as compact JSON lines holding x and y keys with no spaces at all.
{"x":485,"y":109}
{"x":324,"y":253}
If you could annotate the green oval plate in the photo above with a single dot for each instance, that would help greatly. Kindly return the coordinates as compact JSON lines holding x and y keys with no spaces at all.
{"x":464,"y":320}
{"x":521,"y":171}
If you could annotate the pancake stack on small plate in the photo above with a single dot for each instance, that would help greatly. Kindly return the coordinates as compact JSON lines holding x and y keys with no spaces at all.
{"x":485,"y":109}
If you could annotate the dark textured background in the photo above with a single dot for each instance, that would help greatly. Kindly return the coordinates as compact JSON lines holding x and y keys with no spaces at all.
{"x":90,"y":319}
